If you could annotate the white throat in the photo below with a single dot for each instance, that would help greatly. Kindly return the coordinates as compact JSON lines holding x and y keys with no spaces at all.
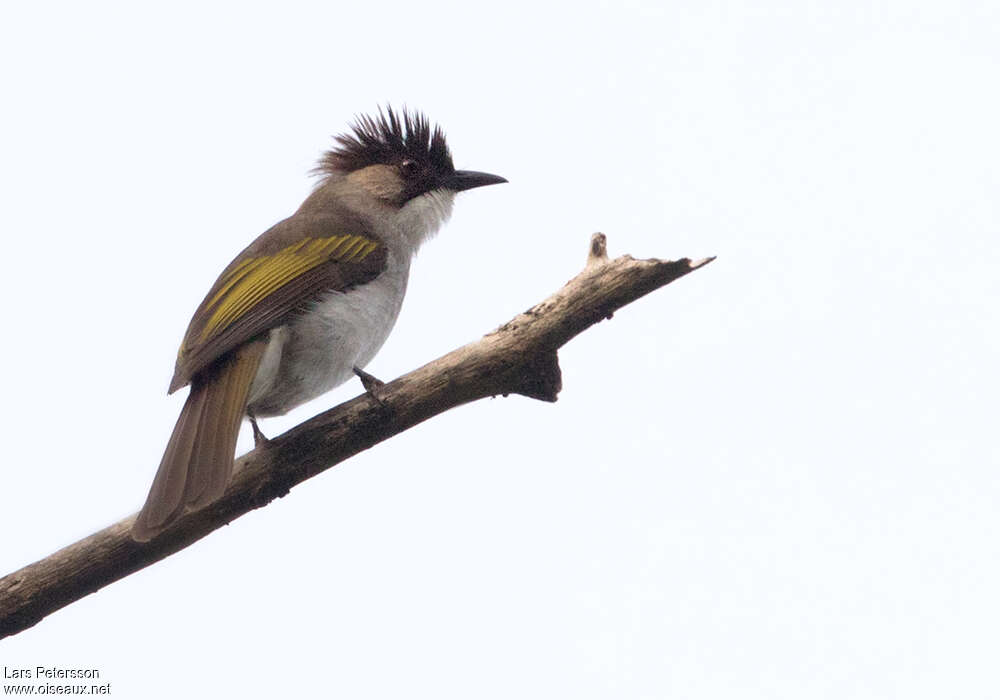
{"x":420,"y":218}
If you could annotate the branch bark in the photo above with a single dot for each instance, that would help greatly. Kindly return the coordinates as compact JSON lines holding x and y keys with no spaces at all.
{"x":517,"y":358}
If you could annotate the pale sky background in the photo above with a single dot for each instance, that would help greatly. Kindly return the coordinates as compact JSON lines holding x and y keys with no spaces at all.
{"x":775,"y":478}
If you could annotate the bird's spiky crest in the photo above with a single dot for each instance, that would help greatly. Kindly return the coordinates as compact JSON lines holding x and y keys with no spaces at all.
{"x":387,"y":138}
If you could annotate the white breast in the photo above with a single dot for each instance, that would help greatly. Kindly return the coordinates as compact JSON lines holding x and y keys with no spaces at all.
{"x":319,"y":349}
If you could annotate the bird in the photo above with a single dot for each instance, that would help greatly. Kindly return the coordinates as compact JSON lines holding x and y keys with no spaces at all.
{"x":306,"y":305}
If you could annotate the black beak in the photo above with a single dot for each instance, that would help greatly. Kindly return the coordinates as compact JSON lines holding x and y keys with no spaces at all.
{"x":467,"y":179}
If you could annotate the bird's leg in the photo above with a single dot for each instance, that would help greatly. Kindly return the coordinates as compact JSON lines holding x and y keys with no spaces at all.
{"x":259,"y":438}
{"x":371,"y":384}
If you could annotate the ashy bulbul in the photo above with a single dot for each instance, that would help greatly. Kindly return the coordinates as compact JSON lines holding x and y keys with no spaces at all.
{"x":308,"y":304}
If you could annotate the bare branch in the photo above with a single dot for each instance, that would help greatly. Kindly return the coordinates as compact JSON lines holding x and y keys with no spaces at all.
{"x":517,"y":358}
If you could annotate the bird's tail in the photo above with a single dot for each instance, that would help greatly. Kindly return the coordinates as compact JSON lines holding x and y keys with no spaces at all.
{"x":198,"y":461}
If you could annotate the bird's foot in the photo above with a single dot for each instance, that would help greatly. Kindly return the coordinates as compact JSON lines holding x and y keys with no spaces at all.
{"x":259,"y":438}
{"x":373,"y":386}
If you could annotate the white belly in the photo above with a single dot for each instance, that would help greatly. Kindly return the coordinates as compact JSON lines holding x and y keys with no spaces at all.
{"x":319,"y":349}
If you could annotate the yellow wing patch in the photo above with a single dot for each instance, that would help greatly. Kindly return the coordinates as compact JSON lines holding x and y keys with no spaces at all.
{"x":253,"y":279}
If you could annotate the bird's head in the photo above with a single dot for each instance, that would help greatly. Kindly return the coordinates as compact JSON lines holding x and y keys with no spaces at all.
{"x":398,"y":157}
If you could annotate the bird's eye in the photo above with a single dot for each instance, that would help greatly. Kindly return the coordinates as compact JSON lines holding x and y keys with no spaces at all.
{"x":409,"y":168}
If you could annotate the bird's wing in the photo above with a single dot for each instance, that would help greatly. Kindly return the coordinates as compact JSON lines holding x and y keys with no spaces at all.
{"x":289,"y":266}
